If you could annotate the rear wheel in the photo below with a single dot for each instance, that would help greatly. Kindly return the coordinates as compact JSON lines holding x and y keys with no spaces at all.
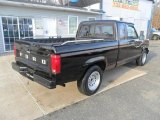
{"x":91,"y":81}
{"x":155,"y":37}
{"x":142,"y":59}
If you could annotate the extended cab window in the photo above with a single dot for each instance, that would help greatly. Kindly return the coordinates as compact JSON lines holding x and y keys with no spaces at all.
{"x":104,"y":31}
{"x":132,"y":34}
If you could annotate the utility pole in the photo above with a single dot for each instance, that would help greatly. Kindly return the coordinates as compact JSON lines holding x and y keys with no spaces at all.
{"x":68,"y":2}
{"x":101,"y":8}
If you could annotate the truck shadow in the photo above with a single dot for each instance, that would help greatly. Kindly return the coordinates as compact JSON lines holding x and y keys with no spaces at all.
{"x":124,"y":73}
{"x":151,"y":56}
{"x":119,"y":76}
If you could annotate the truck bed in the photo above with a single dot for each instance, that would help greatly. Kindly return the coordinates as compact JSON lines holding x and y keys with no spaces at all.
{"x":35,"y":53}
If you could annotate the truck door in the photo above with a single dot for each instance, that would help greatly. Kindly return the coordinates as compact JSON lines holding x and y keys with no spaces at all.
{"x":133,"y":41}
{"x":123,"y":44}
{"x":107,"y":32}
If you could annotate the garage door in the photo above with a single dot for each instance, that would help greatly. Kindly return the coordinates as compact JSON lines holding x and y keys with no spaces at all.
{"x":45,"y":27}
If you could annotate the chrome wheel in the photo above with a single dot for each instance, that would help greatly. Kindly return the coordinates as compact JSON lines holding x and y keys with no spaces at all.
{"x":94,"y":80}
{"x":91,"y":81}
{"x":144,"y":58}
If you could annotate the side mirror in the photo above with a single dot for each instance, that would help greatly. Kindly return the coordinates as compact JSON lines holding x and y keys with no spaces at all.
{"x":141,"y":37}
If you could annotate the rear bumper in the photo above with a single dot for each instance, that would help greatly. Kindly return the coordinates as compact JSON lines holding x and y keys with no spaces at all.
{"x":49,"y":83}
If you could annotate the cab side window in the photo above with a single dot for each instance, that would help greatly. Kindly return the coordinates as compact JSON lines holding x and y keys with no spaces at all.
{"x":132,"y":34}
{"x":104,"y":31}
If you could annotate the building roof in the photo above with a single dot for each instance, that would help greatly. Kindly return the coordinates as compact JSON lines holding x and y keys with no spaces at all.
{"x":152,"y":1}
{"x":77,"y":3}
{"x":85,"y":3}
{"x":101,"y":21}
{"x":19,"y":3}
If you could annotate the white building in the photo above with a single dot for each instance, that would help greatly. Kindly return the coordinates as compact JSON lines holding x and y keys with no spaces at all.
{"x":47,"y":18}
{"x":135,"y":11}
{"x":42,"y":18}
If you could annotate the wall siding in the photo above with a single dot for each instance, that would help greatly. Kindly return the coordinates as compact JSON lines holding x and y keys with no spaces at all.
{"x":62,"y":29}
{"x":34,"y":13}
{"x":139,"y":17}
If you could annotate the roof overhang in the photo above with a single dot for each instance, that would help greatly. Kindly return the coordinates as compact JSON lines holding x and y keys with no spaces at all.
{"x":49,"y":7}
{"x":152,"y":1}
{"x":85,"y":3}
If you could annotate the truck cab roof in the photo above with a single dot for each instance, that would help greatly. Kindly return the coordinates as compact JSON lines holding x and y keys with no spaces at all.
{"x":103,"y":21}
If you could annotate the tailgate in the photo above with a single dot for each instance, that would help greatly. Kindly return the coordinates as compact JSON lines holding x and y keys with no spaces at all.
{"x":33,"y":55}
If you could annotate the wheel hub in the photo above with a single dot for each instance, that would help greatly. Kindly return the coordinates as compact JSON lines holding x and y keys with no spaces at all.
{"x":94,"y":81}
{"x":144,"y":57}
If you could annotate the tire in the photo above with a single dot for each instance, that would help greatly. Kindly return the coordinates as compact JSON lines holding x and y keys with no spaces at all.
{"x":155,"y":37}
{"x":91,"y":81}
{"x":141,"y":61}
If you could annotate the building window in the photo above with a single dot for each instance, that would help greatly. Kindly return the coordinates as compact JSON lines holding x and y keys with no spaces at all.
{"x":14,"y":28}
{"x":73,"y":23}
{"x":91,"y":18}
{"x":10,"y":30}
{"x":26,"y":28}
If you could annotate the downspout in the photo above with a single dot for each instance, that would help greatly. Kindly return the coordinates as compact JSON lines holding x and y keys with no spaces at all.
{"x":101,"y":8}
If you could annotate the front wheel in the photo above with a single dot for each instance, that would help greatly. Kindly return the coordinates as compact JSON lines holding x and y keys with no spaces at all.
{"x":91,"y":81}
{"x":142,"y":59}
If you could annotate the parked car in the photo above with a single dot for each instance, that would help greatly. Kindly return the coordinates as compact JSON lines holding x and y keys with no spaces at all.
{"x":99,"y":45}
{"x":154,"y":34}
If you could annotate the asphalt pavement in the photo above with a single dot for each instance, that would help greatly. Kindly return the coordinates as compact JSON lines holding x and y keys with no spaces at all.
{"x":138,"y":99}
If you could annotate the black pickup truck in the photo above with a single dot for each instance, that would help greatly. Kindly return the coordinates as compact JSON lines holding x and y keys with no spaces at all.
{"x":99,"y":45}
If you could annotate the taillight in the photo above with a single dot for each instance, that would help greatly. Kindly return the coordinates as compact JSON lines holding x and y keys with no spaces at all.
{"x":15,"y":51}
{"x":56,"y":64}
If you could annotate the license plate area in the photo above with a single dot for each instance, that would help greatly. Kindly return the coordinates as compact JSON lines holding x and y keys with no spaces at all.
{"x":30,"y":75}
